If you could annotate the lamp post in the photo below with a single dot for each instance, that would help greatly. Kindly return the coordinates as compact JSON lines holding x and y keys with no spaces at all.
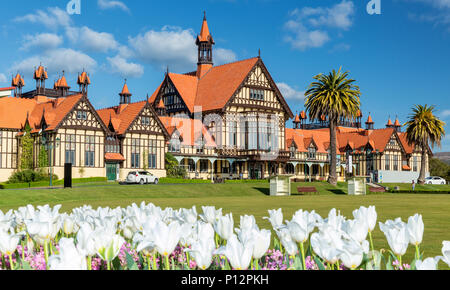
{"x":49,"y":147}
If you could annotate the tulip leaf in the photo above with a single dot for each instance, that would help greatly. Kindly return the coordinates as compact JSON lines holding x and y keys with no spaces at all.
{"x":131,"y":264}
{"x":26,"y":266}
{"x":298,"y":264}
{"x":389,"y":264}
{"x":116,"y":264}
{"x":319,"y":263}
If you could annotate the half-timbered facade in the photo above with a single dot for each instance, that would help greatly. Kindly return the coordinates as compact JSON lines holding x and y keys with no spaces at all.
{"x":240,"y":105}
{"x":136,"y":141}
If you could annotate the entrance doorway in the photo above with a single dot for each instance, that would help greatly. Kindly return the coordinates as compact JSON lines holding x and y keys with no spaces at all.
{"x":111,"y":171}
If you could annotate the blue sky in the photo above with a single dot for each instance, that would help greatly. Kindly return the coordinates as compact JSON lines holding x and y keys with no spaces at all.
{"x":399,"y":58}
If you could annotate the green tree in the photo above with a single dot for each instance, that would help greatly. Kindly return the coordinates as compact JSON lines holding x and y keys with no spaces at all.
{"x":439,"y":168}
{"x":26,"y":158}
{"x":422,"y":129}
{"x":334,"y":96}
{"x":145,"y":163}
{"x":172,"y":167}
{"x":43,"y":157}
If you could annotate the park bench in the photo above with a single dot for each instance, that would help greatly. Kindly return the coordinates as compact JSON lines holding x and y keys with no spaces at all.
{"x":308,"y":190}
{"x":377,"y":189}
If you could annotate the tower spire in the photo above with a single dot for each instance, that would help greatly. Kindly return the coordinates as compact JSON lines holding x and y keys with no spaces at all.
{"x":205,"y":44}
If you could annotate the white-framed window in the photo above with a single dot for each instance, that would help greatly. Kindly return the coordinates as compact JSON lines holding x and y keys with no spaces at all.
{"x":175,"y":144}
{"x":415,"y":163}
{"x":145,"y":121}
{"x":89,"y":153}
{"x":387,"y":162}
{"x":135,"y":153}
{"x":292,"y":151}
{"x":312,"y":152}
{"x":257,"y":94}
{"x":81,"y":115}
{"x":152,"y":154}
{"x":395,"y":163}
{"x":71,"y":149}
{"x":232,"y":134}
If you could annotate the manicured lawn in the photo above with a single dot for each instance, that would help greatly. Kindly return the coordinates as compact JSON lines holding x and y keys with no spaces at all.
{"x":253,"y":199}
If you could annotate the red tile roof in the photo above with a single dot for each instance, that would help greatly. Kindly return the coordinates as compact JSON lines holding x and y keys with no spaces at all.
{"x":190,"y":130}
{"x":114,"y":157}
{"x":121,"y":116}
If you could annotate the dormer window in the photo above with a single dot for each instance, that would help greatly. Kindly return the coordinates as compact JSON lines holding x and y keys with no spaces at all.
{"x":175,"y":144}
{"x":312,"y":153}
{"x":292,"y":151}
{"x":81,"y":115}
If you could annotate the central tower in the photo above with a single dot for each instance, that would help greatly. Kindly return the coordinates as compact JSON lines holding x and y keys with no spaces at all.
{"x":204,"y":43}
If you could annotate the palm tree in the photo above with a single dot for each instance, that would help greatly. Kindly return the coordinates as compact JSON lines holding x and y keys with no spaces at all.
{"x":335,"y":96}
{"x":424,"y":128}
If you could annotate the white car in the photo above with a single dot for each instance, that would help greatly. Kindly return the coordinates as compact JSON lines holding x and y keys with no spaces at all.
{"x":435,"y":180}
{"x":141,"y":177}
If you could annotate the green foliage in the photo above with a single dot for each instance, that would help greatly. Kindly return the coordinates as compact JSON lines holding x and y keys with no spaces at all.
{"x":439,"y":168}
{"x":43,"y":157}
{"x":26,"y":176}
{"x":26,"y":158}
{"x":172,"y":167}
{"x":145,"y":163}
{"x":333,"y":96}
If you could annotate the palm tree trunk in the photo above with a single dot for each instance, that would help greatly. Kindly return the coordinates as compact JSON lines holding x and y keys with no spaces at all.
{"x":423,"y":166}
{"x":332,"y":179}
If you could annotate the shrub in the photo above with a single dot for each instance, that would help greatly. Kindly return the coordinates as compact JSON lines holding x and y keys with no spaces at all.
{"x":26,"y":176}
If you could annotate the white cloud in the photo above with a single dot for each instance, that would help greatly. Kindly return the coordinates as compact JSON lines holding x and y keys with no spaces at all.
{"x":57,"y":60}
{"x":42,"y":41}
{"x":3,"y":78}
{"x":223,"y":56}
{"x":307,"y":26}
{"x":119,"y":65}
{"x":91,"y":40}
{"x":53,"y":18}
{"x":171,"y":46}
{"x":445,"y":114}
{"x":109,"y":4}
{"x":290,"y":93}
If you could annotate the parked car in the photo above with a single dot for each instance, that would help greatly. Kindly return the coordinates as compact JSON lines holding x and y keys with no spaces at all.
{"x":435,"y":180}
{"x":141,"y":177}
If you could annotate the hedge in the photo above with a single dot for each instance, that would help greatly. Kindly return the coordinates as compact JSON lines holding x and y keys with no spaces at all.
{"x":46,"y":183}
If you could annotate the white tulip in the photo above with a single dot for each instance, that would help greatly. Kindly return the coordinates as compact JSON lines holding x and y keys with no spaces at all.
{"x":107,"y":244}
{"x":248,"y":223}
{"x":166,"y":237}
{"x":68,"y":225}
{"x":224,"y":226}
{"x":238,"y":254}
{"x":286,"y":240}
{"x":202,"y":252}
{"x":69,"y":258}
{"x":446,"y":252}
{"x":9,"y":243}
{"x":353,"y":253}
{"x":429,"y":264}
{"x":275,"y":218}
{"x":397,"y":236}
{"x":327,"y":243}
{"x":357,"y":229}
{"x":369,"y":215}
{"x":210,"y":214}
{"x":189,"y":215}
{"x":261,"y":243}
{"x":86,"y":241}
{"x":298,"y":233}
{"x":415,"y":228}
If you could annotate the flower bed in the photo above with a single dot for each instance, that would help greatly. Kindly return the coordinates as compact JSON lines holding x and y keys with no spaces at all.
{"x":147,"y":237}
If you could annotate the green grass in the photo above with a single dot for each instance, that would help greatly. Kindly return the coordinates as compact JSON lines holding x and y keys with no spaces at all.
{"x":253,"y":199}
{"x":45,"y":183}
